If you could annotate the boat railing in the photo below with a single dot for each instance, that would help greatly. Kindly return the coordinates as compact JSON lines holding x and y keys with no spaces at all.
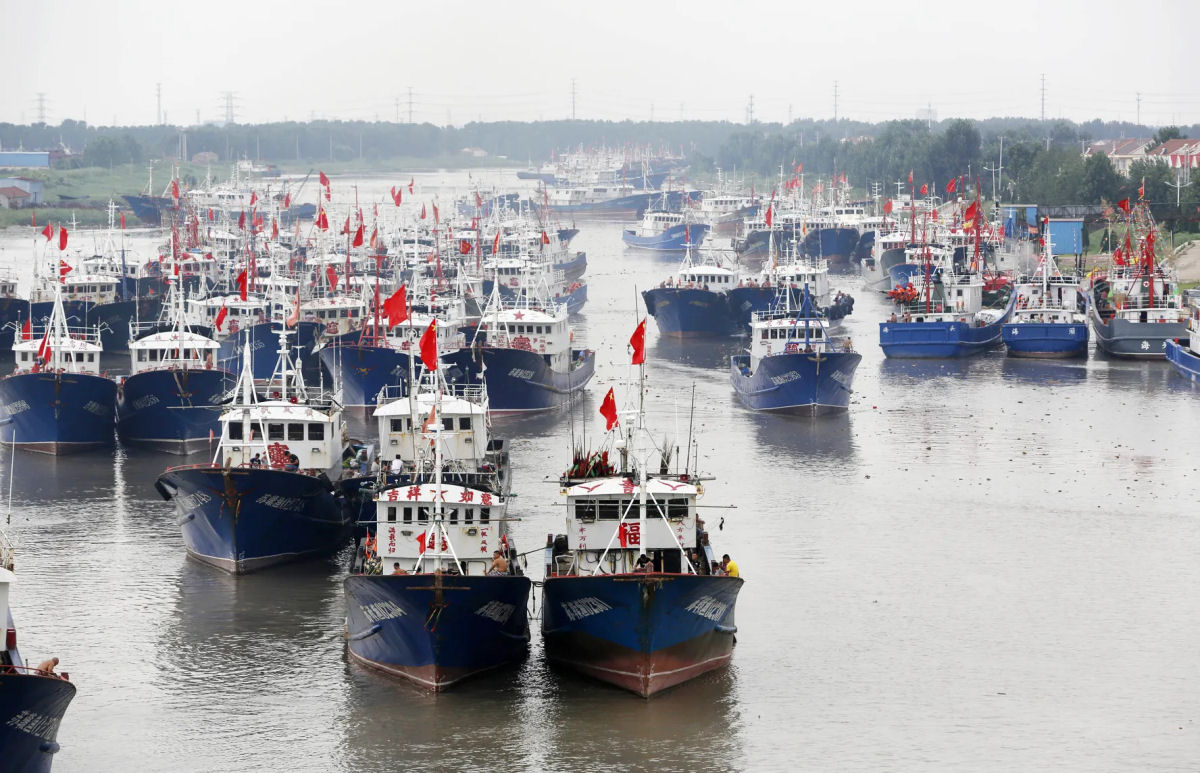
{"x":31,"y":671}
{"x":1142,"y":302}
{"x":472,"y":393}
{"x":266,"y":465}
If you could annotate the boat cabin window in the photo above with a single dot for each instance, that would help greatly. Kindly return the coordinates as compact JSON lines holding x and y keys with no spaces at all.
{"x":391,"y":513}
{"x":765,"y":333}
{"x":422,"y":513}
{"x":469,"y":515}
{"x":397,"y":425}
{"x":677,"y":508}
{"x":453,"y":515}
{"x":448,"y":423}
{"x":235,"y":430}
{"x":485,"y":514}
{"x":316,"y":431}
{"x":408,"y":514}
{"x":464,"y":422}
{"x":295,"y":431}
{"x":274,"y":432}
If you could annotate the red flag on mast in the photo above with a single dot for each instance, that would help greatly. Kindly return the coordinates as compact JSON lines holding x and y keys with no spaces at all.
{"x":358,"y":237}
{"x":638,"y":342}
{"x":224,"y":312}
{"x":608,"y":409}
{"x":396,"y":307}
{"x":429,"y":354}
{"x":1123,"y":205}
{"x":770,"y":216}
{"x":952,"y":186}
{"x":48,"y":231}
{"x":26,"y":330}
{"x":331,"y":275}
{"x":242,"y":281}
{"x":62,"y":238}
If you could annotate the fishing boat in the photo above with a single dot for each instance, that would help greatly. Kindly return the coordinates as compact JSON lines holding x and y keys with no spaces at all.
{"x":58,"y":401}
{"x":1185,"y":357}
{"x":694,"y":302}
{"x":32,"y":701}
{"x":941,"y":315}
{"x":171,"y":400}
{"x":435,"y":592}
{"x":1046,"y":320}
{"x":522,"y":351}
{"x":1136,"y":307}
{"x":630,"y":597}
{"x":270,"y":494}
{"x":791,"y":274}
{"x":664,"y":231}
{"x":793,"y":365}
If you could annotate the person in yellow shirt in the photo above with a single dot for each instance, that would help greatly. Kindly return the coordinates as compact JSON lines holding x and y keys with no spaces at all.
{"x":729,"y":565}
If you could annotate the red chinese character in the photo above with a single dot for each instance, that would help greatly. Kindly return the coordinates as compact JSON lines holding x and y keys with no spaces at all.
{"x":414,"y":492}
{"x":278,"y":454}
{"x":393,"y":495}
{"x":627,"y":486}
{"x":466,"y":496}
{"x":485,"y":498}
{"x":634,"y":533}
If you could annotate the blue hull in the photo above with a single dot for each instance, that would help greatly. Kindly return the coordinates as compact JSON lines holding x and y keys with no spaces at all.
{"x":936,"y":340}
{"x":58,"y":413}
{"x":253,"y":518}
{"x":800,"y":384}
{"x":674,"y":238}
{"x":363,"y":371}
{"x":642,"y":632}
{"x":519,"y":380}
{"x":437,"y":630}
{"x":902,"y":274}
{"x":834,"y":243}
{"x":1051,"y":340}
{"x":31,"y":708}
{"x":575,"y":299}
{"x":172,"y":410}
{"x":1183,"y":360}
{"x":683,"y":312}
{"x":573,"y":268}
{"x":112,"y":317}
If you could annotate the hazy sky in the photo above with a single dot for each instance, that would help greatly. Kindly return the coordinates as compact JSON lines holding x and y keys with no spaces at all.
{"x":515,"y":60}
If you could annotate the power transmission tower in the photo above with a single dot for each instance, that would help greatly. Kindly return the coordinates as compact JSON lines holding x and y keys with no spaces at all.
{"x":230,"y":113}
{"x":835,"y":101}
{"x":750,"y":110}
{"x":41,"y":106}
{"x":158,"y":95}
{"x":410,"y":120}
{"x":1139,"y":108}
{"x":572,"y":99}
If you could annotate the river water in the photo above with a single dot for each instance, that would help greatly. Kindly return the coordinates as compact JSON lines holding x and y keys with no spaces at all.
{"x":983,"y":565}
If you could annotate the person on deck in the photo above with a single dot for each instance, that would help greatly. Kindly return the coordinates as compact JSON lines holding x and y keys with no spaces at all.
{"x":46,"y":667}
{"x":729,"y":566}
{"x":499,"y":564}
{"x":397,"y":570}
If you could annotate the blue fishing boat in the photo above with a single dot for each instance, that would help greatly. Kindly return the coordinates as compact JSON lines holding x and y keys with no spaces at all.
{"x":630,"y":596}
{"x":522,"y":351}
{"x":171,"y":400}
{"x":694,"y":303}
{"x":33,"y":700}
{"x":435,"y":593}
{"x":664,"y":231}
{"x":794,"y":365}
{"x":270,"y":494}
{"x":789,"y":274}
{"x":1047,"y":320}
{"x":941,"y":316}
{"x":58,"y":401}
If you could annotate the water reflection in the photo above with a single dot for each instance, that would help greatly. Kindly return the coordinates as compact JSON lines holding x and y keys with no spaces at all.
{"x":706,"y":353}
{"x":1036,"y":371}
{"x":803,"y":439}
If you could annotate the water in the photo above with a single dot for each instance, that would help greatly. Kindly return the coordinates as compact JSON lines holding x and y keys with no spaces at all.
{"x":985,"y":565}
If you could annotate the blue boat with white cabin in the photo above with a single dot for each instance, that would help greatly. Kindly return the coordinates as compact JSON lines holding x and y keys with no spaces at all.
{"x":1047,"y":320}
{"x":664,"y":231}
{"x":694,"y":303}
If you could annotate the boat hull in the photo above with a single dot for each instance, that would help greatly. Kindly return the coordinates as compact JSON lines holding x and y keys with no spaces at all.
{"x":1045,"y":340}
{"x":642,"y":632}
{"x":246,"y":519}
{"x":58,"y":413}
{"x":521,"y":380}
{"x":1183,"y":360}
{"x":263,"y":340}
{"x":31,"y":708}
{"x":689,"y":312}
{"x":172,"y":410}
{"x":936,"y":340}
{"x":437,"y":630}
{"x":1134,"y":340}
{"x":804,"y":384}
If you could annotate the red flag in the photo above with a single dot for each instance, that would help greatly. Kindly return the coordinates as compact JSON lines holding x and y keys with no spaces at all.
{"x":331,"y":275}
{"x":34,"y":216}
{"x":887,"y":207}
{"x":396,"y":307}
{"x":770,"y":216}
{"x":970,"y":212}
{"x":346,"y":227}
{"x":496,"y":244}
{"x":44,"y":347}
{"x":1142,"y":189}
{"x":358,"y":237}
{"x":242,"y":220}
{"x":422,"y":211}
{"x":924,"y":189}
{"x":64,"y":268}
{"x":175,"y":190}
{"x":26,"y":331}
{"x":122,"y":220}
{"x":294,"y":317}
{"x":48,"y":232}
{"x":638,"y":342}
{"x":287,"y":200}
{"x":608,"y":409}
{"x":224,"y":312}
{"x":253,"y":198}
{"x":933,"y":214}
{"x":1123,"y":205}
{"x":478,"y":200}
{"x":242,"y":281}
{"x":464,"y":246}
{"x":910,"y":177}
{"x":410,"y":184}
{"x":436,"y":219}
{"x":62,"y":238}
{"x":328,"y":195}
{"x":211,"y":216}
{"x":429,"y":353}
{"x":274,"y":229}
{"x":322,"y":221}
{"x":545,"y":238}
{"x":324,"y":180}
{"x":397,"y":196}
{"x":799,"y":168}
{"x":952,"y":186}
{"x":374,"y":236}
